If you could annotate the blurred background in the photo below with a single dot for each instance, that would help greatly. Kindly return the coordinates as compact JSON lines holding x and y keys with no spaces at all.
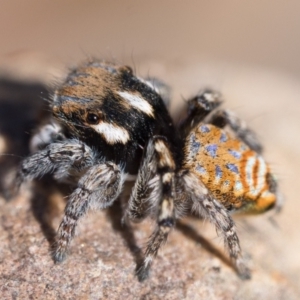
{"x":249,"y":50}
{"x":264,"y":33}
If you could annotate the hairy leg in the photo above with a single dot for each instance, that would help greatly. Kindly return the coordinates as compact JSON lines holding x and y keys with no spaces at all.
{"x":58,"y":158}
{"x":97,"y":189}
{"x":165,"y":219}
{"x":206,"y":102}
{"x":146,"y":192}
{"x":206,"y":206}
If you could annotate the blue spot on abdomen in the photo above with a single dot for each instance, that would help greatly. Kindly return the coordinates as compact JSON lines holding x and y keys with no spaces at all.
{"x":200,"y":169}
{"x":223,"y":138}
{"x":219,"y":172}
{"x":204,"y":129}
{"x":234,"y":153}
{"x":195,"y":145}
{"x":232,"y":168}
{"x":212,"y":150}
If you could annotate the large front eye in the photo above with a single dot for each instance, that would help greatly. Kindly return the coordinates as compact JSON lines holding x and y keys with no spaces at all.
{"x":92,"y":118}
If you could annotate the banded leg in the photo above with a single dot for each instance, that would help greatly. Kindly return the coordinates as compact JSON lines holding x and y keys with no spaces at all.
{"x":206,"y":102}
{"x":58,"y":158}
{"x":206,"y":206}
{"x":97,"y":189}
{"x":166,"y":213}
{"x":147,"y":188}
{"x":224,"y":117}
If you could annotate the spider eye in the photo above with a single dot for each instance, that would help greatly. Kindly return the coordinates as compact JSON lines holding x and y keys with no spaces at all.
{"x":92,"y":118}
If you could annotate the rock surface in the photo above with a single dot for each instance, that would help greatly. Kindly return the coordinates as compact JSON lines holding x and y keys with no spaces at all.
{"x":192,"y":265}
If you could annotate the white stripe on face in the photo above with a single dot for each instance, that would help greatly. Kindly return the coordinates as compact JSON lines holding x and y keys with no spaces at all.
{"x":112,"y":133}
{"x":138,"y":103}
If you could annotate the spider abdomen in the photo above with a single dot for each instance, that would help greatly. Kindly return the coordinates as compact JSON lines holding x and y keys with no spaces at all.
{"x":235,"y":175}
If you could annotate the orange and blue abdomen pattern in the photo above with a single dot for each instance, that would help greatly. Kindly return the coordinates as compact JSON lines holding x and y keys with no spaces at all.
{"x":235,"y":175}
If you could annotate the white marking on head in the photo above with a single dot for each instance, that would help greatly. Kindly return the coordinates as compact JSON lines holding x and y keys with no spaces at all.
{"x":112,"y":133}
{"x":138,"y":103}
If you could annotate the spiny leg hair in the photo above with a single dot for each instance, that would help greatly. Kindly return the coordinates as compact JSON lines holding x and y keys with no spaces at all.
{"x":166,"y":215}
{"x":147,"y":188}
{"x":97,"y":189}
{"x":206,"y":206}
{"x":58,"y":158}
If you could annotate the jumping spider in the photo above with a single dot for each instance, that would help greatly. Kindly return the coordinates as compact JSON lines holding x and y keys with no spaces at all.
{"x":109,"y":123}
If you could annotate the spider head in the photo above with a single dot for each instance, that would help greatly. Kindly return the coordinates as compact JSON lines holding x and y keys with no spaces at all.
{"x":103,"y":101}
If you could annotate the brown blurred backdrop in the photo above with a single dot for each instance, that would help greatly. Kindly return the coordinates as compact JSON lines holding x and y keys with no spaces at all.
{"x":265,"y":33}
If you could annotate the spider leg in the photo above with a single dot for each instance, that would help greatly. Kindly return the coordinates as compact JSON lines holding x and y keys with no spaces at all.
{"x":222,"y":118}
{"x":98,"y":188}
{"x":165,"y":219}
{"x":147,"y":188}
{"x":207,"y":101}
{"x":59,"y":158}
{"x":205,"y":205}
{"x":199,"y":107}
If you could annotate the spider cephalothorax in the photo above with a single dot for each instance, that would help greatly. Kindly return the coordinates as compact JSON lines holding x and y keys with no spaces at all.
{"x":109,"y":123}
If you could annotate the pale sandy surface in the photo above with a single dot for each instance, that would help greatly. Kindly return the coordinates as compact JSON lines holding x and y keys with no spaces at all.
{"x":192,"y":265}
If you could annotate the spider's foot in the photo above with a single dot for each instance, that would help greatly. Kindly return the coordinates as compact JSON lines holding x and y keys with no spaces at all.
{"x":142,"y":272}
{"x":243,"y":271}
{"x":59,"y":254}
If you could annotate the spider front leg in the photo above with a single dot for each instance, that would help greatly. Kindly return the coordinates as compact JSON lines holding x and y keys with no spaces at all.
{"x":58,"y":158}
{"x":146,"y":192}
{"x":98,"y":188}
{"x":206,"y":206}
{"x":165,"y":191}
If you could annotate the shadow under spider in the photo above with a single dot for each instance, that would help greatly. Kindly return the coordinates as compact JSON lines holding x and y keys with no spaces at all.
{"x":115,"y":214}
{"x":43,"y":207}
{"x":44,"y":211}
{"x":191,"y":233}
